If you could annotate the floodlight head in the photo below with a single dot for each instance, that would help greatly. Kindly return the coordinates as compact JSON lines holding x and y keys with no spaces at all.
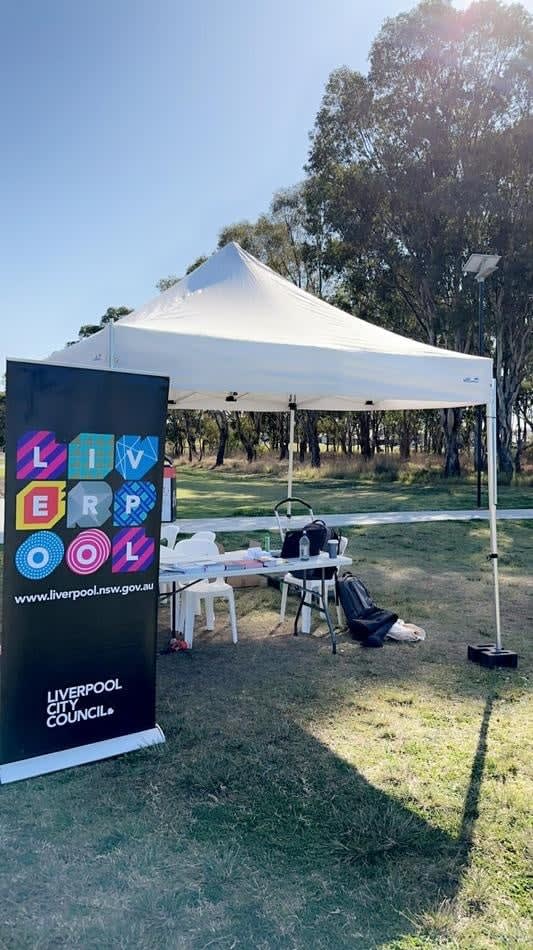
{"x":481,"y":265}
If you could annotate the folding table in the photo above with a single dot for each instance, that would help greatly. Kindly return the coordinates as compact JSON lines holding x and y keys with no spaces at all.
{"x":187,"y":574}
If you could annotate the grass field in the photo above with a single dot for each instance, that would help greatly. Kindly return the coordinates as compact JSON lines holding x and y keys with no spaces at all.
{"x":372,"y":799}
{"x":201,"y":493}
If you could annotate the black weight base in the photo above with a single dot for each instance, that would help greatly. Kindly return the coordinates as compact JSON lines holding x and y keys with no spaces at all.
{"x":493,"y":658}
{"x":474,"y":652}
{"x":487,"y":655}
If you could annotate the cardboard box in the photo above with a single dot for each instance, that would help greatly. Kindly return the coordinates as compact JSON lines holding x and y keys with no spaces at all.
{"x":247,"y":580}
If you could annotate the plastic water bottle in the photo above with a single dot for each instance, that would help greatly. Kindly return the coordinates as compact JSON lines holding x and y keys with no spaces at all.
{"x":266,"y":543}
{"x":304,"y":548}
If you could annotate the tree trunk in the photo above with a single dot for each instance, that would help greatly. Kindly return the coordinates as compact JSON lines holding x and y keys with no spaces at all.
{"x":519,"y":444}
{"x":514,"y":347}
{"x":221,"y":420}
{"x":299,"y":436}
{"x":189,"y":432}
{"x":248,"y":433}
{"x":507,"y":390}
{"x":221,"y":449}
{"x":312,"y":437}
{"x":522,"y":421}
{"x":405,"y":436}
{"x":374,"y":429}
{"x":505,"y":458}
{"x":349,"y":433}
{"x":451,"y":426}
{"x":364,"y":435}
{"x":283,"y":438}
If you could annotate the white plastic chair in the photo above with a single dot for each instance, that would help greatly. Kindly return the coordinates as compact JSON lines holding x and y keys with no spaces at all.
{"x":206,"y":536}
{"x":292,"y":581}
{"x":199,"y":549}
{"x":169,"y":533}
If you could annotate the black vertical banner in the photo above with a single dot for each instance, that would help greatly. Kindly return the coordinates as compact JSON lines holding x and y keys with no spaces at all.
{"x":84,"y":471}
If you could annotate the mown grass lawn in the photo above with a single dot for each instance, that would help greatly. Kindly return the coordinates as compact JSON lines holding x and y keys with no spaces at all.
{"x":221,"y":494}
{"x":372,"y":799}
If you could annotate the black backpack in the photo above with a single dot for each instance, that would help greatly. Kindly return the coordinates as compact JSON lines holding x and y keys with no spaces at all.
{"x":319,"y":534}
{"x":366,"y":622}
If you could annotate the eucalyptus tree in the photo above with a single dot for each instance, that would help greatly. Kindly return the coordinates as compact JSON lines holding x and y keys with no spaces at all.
{"x":414,"y":161}
{"x":111,"y":315}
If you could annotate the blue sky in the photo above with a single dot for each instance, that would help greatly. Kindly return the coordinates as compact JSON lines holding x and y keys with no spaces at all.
{"x":133,"y":130}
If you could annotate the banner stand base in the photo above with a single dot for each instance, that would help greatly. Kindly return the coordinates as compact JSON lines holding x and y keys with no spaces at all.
{"x":80,"y":755}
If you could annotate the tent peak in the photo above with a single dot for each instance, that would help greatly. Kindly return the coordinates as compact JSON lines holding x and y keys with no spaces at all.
{"x":235,"y":325}
{"x":226,"y":264}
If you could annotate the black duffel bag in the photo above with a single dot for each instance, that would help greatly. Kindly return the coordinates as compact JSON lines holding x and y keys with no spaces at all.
{"x":366,"y":622}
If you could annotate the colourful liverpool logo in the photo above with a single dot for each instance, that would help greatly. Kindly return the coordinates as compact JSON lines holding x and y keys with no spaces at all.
{"x":91,"y":455}
{"x":40,"y":505}
{"x":134,"y":456}
{"x":132,"y":551}
{"x":40,"y":456}
{"x":133,"y":503}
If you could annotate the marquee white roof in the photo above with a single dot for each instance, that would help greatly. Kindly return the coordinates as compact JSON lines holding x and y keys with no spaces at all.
{"x":235,"y":326}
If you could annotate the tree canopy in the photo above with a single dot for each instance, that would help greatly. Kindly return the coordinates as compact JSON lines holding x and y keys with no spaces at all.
{"x":111,"y":315}
{"x":411,"y":168}
{"x":425,"y":160}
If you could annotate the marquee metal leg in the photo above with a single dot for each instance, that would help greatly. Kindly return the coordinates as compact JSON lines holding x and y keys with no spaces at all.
{"x":300,"y":605}
{"x":173,"y":609}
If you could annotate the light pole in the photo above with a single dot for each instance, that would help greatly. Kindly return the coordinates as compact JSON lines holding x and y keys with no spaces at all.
{"x":481,"y":266}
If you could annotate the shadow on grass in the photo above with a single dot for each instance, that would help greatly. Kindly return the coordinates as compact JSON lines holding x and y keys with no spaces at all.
{"x":470,"y":811}
{"x":243,"y":830}
{"x":338,"y":861}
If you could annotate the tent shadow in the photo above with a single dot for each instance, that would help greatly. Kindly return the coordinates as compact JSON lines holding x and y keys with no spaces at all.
{"x":338,"y":855}
{"x":470,"y":810}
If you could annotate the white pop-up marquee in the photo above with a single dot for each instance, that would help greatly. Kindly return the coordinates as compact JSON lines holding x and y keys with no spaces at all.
{"x":233,"y":334}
